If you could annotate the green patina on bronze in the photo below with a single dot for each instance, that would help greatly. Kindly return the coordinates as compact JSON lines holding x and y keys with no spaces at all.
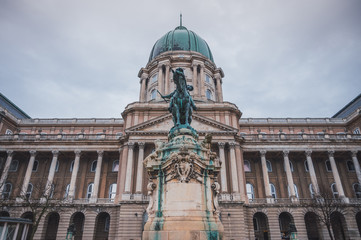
{"x":181,"y":39}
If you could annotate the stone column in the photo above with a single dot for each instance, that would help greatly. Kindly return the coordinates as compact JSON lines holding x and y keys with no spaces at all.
{"x":265,"y":177}
{"x":312,"y":172}
{"x":142,"y":94}
{"x":195,"y":79}
{"x":4,"y":176}
{"x":74,"y":174}
{"x":219,"y":87}
{"x":336,"y":176}
{"x":286,"y":163}
{"x":235,"y":187}
{"x":167,"y":82}
{"x":241,"y":174}
{"x":160,"y":81}
{"x":203,"y":87}
{"x":120,"y":176}
{"x":356,"y":164}
{"x":138,"y":188}
{"x":28,"y":172}
{"x":98,"y":171}
{"x":128,"y":176}
{"x":222,"y":159}
{"x":49,"y":182}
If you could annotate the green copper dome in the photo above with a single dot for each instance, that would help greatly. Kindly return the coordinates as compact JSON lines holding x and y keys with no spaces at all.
{"x":181,"y":39}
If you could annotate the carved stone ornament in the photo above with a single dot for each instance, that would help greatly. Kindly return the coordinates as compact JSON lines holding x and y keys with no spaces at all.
{"x":184,"y":170}
{"x":150,"y":187}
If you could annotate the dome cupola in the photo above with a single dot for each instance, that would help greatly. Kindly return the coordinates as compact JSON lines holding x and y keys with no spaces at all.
{"x":181,"y":39}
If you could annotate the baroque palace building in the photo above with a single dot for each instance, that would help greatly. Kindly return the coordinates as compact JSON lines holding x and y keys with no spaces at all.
{"x":95,"y":166}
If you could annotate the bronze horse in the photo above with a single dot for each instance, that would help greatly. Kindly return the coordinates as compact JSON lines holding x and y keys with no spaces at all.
{"x":181,"y":103}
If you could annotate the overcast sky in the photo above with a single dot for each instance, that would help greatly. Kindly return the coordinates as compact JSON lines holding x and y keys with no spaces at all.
{"x":281,"y":58}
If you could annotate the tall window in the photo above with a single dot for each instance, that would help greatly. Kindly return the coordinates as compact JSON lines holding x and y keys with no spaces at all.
{"x":269,"y":166}
{"x":208,"y":79}
{"x":209,"y":94}
{"x":154,"y":78}
{"x":29,"y":191}
{"x":115,"y":167}
{"x":328,"y":166}
{"x":357,"y":189}
{"x":67,"y":191}
{"x":334,"y":190}
{"x":250,"y":191}
{"x":350,"y":166}
{"x":306,"y":166}
{"x":57,"y":166}
{"x":14,"y":166}
{"x":51,"y":191}
{"x":273,"y":190}
{"x":247,"y":166}
{"x":153,"y":94}
{"x":35,"y":166}
{"x":312,"y":192}
{"x":296,"y":190}
{"x":71,"y":166}
{"x":112,"y":191}
{"x":7,"y":191}
{"x":93,"y":166}
{"x":90,"y":190}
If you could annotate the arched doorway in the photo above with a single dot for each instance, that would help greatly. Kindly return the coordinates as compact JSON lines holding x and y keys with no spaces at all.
{"x":312,"y":226}
{"x":339,"y":227}
{"x":29,"y":215}
{"x":285,"y":219}
{"x":52,"y":223}
{"x":358,"y":221}
{"x":4,"y":214}
{"x":102,"y":224}
{"x":260,"y":226}
{"x":78,"y":220}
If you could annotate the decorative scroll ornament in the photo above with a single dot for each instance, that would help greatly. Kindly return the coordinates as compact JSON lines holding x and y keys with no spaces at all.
{"x":150,"y":187}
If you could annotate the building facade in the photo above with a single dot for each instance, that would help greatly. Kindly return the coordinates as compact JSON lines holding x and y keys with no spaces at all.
{"x":94,"y":167}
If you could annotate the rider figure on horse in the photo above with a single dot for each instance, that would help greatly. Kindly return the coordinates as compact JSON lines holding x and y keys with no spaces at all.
{"x":181,"y":103}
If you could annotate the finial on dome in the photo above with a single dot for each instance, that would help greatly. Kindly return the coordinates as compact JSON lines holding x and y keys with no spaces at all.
{"x":180,"y":19}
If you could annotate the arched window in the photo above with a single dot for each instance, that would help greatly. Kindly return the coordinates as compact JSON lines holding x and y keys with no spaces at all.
{"x":8,"y":132}
{"x":29,"y":191}
{"x":312,"y":192}
{"x":153,"y":94}
{"x":306,"y":166}
{"x":67,"y":191}
{"x":296,"y":190}
{"x":90,"y":190}
{"x":71,"y":166}
{"x":93,"y":166}
{"x":356,"y":131}
{"x":334,"y":190}
{"x":112,"y":191}
{"x":14,"y":166}
{"x":350,"y":166}
{"x":115,"y":167}
{"x":328,"y":166}
{"x":247,"y":166}
{"x":57,"y":166}
{"x":209,"y":94}
{"x":7,"y":191}
{"x":35,"y":165}
{"x":273,"y":190}
{"x":357,"y":189}
{"x":269,"y":166}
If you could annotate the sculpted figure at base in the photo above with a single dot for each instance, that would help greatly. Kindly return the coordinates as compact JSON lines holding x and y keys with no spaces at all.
{"x":181,"y":103}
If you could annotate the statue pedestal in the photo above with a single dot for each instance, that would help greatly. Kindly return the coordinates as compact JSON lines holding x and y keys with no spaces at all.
{"x":183,"y":190}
